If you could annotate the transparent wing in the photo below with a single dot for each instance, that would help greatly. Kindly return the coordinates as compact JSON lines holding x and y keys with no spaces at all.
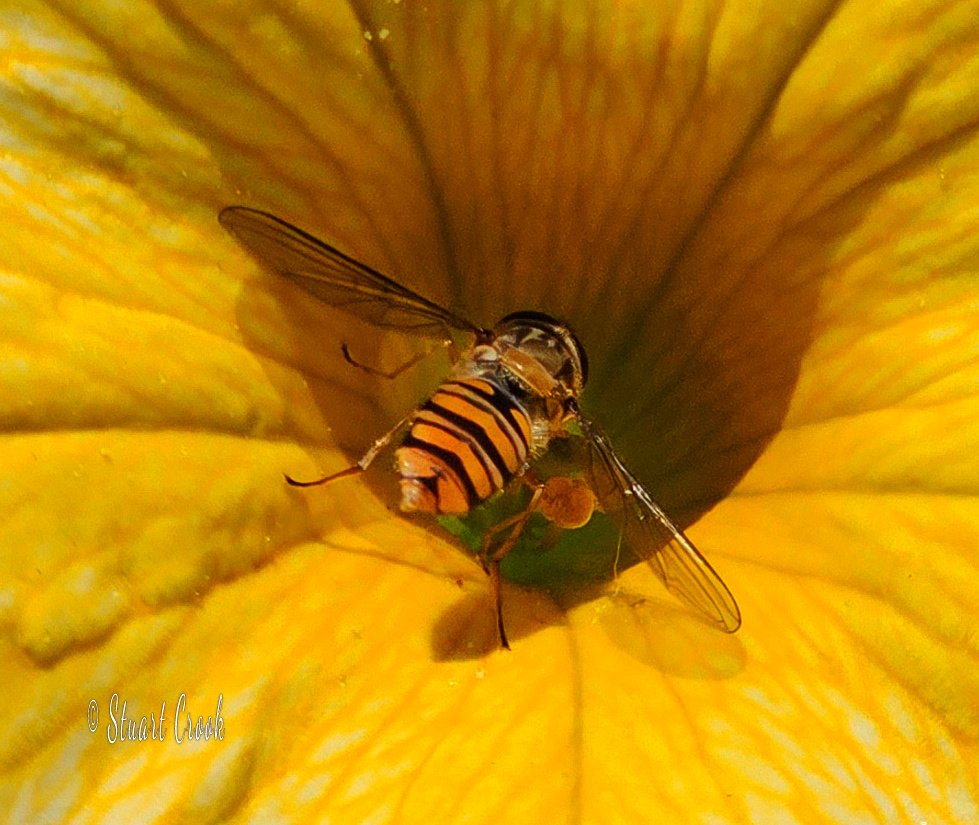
{"x":653,"y":536}
{"x":335,"y":278}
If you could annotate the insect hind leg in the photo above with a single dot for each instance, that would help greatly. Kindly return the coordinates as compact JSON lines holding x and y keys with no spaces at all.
{"x":356,"y":469}
{"x":365,"y":460}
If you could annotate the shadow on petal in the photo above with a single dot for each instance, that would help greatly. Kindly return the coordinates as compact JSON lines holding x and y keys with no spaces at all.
{"x":668,"y":638}
{"x":467,"y":630}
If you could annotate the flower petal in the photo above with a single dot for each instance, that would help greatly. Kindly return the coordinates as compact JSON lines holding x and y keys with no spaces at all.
{"x":765,"y":234}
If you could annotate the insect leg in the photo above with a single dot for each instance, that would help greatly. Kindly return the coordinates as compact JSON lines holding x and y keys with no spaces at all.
{"x":491,"y":560}
{"x":494,"y":574}
{"x":515,"y":525}
{"x":446,"y":342}
{"x":365,"y":460}
{"x":450,"y":345}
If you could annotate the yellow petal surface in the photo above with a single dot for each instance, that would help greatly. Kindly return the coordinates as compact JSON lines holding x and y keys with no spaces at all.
{"x":761,"y":221}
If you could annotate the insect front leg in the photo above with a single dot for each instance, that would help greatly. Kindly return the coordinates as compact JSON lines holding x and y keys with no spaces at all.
{"x":447,"y":342}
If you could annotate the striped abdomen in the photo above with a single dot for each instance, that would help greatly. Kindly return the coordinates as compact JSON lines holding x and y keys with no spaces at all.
{"x":464,"y":444}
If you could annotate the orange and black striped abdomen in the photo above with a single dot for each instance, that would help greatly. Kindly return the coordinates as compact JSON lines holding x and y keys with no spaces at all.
{"x":464,"y":444}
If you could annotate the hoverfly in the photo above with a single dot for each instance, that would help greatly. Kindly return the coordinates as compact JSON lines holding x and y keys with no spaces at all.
{"x":513,"y":389}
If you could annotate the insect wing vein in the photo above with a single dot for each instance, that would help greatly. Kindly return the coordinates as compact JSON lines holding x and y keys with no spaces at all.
{"x":653,"y":537}
{"x":335,"y":278}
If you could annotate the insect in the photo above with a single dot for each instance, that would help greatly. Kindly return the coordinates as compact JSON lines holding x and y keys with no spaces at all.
{"x":513,"y":389}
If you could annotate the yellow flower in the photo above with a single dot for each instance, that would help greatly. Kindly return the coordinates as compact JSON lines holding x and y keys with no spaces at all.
{"x":762,"y":224}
